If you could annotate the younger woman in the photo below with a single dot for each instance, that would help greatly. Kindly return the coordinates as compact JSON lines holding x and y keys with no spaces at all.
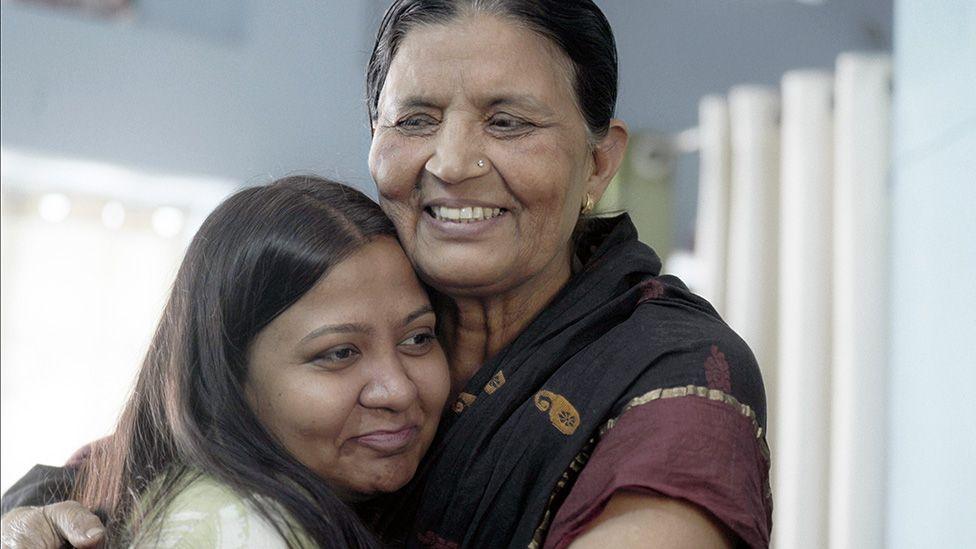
{"x":295,"y":373}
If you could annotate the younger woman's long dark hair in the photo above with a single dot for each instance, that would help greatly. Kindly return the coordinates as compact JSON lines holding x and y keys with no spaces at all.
{"x":253,"y":257}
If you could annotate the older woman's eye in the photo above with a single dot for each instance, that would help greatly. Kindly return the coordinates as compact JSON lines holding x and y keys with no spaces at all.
{"x":509,"y":124}
{"x":417,"y":123}
{"x":418,"y":343}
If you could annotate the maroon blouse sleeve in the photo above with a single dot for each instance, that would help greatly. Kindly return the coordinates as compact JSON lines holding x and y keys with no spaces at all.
{"x":690,"y":443}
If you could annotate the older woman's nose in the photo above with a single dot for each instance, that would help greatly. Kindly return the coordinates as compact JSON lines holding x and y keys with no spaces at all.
{"x":389,"y":387}
{"x":457,"y":155}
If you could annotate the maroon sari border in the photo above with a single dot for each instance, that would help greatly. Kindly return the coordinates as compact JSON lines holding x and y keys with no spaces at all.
{"x":693,"y":390}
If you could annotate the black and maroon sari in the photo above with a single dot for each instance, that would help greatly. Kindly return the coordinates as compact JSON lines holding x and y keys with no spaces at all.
{"x":626,"y":381}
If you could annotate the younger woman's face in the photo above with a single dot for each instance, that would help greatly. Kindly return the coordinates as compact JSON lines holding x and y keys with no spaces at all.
{"x":351,"y":378}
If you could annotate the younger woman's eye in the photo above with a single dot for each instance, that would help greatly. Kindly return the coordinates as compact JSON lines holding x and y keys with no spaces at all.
{"x":337,"y":356}
{"x":419,"y":342}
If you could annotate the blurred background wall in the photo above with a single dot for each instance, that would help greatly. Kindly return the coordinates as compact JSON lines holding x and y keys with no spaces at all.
{"x":932,"y":416}
{"x":237,"y":90}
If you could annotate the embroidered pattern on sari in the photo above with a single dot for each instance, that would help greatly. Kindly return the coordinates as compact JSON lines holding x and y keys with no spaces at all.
{"x":432,"y":540}
{"x":562,"y":414}
{"x":463,"y":401}
{"x":559,"y":492}
{"x":495,"y":383}
{"x":717,"y":371}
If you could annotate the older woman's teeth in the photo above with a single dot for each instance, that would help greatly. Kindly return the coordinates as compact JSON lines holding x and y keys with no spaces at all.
{"x":467,"y":214}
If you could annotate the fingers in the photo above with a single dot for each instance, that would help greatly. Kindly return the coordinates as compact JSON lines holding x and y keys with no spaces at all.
{"x":75,"y":523}
{"x":49,"y":527}
{"x":28,"y":528}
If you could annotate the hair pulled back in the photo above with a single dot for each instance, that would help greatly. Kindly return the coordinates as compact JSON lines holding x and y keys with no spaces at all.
{"x":577,"y":27}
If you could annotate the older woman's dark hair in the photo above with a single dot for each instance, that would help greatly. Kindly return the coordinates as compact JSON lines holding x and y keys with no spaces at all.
{"x":255,"y":256}
{"x":577,"y":27}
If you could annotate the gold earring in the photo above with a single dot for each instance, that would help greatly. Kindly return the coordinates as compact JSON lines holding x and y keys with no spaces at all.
{"x":588,"y":204}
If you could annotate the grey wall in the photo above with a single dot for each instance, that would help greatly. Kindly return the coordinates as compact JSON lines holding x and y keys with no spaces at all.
{"x":242,"y":90}
{"x":932,"y":413}
{"x":674,"y":51}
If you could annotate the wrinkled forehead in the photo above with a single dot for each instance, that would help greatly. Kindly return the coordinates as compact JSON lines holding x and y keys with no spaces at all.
{"x":479,"y":57}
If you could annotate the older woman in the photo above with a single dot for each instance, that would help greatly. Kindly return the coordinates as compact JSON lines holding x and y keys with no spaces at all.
{"x":597,"y":401}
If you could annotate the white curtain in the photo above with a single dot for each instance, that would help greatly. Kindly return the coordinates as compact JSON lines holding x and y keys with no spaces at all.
{"x":751,"y":279}
{"x":861,"y":156}
{"x":711,"y":245}
{"x":790,"y":244}
{"x":802,"y":398}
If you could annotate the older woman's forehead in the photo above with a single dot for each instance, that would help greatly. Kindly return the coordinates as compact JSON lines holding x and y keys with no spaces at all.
{"x":434,"y":65}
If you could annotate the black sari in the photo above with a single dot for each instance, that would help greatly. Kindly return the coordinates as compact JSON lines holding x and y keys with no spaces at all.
{"x":508,"y":454}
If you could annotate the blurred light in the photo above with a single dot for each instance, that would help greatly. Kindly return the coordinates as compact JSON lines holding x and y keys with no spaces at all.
{"x":54,"y":207}
{"x":113,"y":214}
{"x":686,"y":266}
{"x":167,"y":221}
{"x":28,"y":171}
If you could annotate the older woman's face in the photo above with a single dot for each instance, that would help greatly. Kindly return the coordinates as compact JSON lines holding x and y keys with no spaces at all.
{"x":480,"y":154}
{"x":350,"y":378}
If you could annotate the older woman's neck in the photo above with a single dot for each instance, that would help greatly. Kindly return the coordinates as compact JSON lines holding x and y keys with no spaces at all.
{"x":474,"y":329}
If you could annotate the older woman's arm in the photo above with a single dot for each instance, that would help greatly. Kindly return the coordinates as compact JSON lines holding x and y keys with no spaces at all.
{"x":632,"y":519}
{"x":51,"y":526}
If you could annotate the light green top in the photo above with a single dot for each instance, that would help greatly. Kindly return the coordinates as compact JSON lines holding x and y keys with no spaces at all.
{"x":209,"y":514}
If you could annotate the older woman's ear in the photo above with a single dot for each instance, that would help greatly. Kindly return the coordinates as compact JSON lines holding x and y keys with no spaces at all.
{"x":608,"y":155}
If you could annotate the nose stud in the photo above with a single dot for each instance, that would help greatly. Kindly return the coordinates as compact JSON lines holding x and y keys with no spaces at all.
{"x":481,"y":163}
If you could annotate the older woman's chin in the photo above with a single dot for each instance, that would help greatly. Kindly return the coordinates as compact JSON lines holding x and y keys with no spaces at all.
{"x":464,"y":276}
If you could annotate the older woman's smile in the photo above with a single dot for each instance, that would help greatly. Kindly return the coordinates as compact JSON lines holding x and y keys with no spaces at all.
{"x":464,"y":214}
{"x":451,"y":224}
{"x":453,"y":219}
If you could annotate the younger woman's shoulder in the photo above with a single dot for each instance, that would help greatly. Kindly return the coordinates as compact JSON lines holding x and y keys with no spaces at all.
{"x":208,"y":513}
